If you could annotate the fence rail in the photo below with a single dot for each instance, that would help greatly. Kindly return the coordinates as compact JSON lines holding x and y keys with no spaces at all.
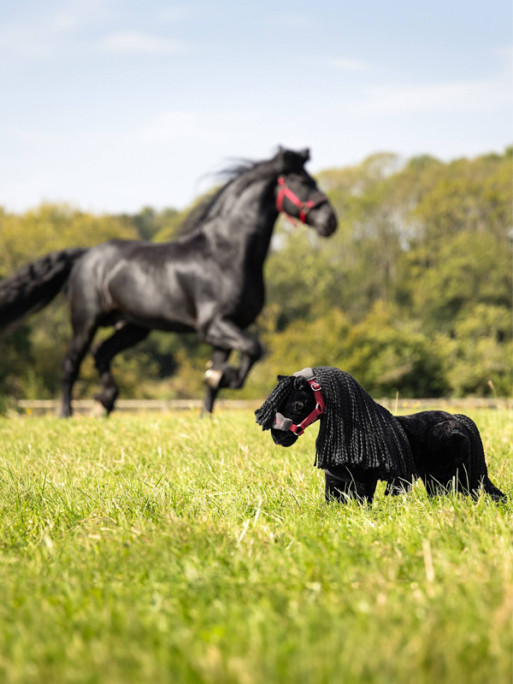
{"x":88,"y":406}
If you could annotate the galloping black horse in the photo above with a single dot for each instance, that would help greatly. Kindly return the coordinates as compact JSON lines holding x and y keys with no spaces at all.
{"x":208,"y":281}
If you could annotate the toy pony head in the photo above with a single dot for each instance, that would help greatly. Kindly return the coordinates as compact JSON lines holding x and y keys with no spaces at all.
{"x":354,"y":431}
{"x":291,"y":407}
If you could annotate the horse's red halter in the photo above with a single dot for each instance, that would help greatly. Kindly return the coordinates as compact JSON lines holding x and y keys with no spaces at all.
{"x":304,"y":207}
{"x":286,"y":424}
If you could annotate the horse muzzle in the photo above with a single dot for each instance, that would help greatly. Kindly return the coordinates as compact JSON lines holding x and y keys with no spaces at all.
{"x":323,"y":219}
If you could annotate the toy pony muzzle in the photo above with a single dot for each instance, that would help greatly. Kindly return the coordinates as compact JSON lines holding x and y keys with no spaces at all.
{"x":282,"y":423}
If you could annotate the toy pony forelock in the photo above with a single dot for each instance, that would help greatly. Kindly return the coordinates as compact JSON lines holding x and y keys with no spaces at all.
{"x":266,"y":413}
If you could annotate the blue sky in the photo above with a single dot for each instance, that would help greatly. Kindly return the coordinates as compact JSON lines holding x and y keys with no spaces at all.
{"x":111,"y":105}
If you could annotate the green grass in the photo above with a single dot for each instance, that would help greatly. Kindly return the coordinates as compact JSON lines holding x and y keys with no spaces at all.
{"x":168,"y":549}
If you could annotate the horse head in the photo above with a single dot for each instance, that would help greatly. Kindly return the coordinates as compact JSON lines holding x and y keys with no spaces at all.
{"x":298,"y":196}
{"x":294,"y":404}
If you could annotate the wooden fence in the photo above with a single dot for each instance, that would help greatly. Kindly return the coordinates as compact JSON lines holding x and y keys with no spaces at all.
{"x":90,"y":407}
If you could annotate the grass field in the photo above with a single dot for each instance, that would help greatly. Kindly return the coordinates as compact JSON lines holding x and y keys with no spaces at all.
{"x":168,"y":549}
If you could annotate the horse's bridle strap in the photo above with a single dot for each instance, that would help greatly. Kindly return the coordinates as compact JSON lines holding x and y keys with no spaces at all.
{"x":304,"y":207}
{"x":286,"y":424}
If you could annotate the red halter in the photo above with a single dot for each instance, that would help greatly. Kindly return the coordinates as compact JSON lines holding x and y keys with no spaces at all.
{"x":282,"y":423}
{"x":304,"y":207}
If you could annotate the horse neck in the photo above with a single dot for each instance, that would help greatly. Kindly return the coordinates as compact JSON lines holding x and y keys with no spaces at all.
{"x":246,"y":221}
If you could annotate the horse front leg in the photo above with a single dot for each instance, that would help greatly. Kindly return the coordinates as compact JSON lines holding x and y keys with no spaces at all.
{"x":213,"y":376}
{"x":225,"y":337}
{"x":82,"y":337}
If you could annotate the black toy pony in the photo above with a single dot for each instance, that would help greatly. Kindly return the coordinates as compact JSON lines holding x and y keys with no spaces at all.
{"x":360,"y":442}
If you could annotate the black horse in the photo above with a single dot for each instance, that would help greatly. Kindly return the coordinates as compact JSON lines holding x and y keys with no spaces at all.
{"x":360,"y":442}
{"x":208,"y":281}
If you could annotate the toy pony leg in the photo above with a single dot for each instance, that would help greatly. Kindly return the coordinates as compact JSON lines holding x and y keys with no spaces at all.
{"x":341,"y":485}
{"x":397,"y":486}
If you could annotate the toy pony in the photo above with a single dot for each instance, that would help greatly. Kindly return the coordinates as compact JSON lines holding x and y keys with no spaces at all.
{"x":360,"y":442}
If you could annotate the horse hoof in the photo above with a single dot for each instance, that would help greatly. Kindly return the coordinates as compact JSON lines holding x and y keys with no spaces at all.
{"x":213,"y":377}
{"x":99,"y":410}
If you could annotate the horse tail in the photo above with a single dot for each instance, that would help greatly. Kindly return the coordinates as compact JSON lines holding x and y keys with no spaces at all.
{"x":35,"y":285}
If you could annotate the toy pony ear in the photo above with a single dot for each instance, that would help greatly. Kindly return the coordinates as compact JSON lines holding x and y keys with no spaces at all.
{"x":300,"y":382}
{"x":305,"y":154}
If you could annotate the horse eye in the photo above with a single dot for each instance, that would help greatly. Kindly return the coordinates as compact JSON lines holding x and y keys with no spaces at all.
{"x":299,"y":405}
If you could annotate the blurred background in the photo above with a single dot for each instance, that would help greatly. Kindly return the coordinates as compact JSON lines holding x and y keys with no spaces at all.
{"x":116,"y":116}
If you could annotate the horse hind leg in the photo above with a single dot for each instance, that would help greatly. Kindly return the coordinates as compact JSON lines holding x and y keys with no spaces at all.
{"x":124,"y":337}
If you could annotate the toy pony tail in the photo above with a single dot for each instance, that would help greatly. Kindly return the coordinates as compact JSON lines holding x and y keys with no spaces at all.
{"x":479,"y":471}
{"x":266,"y":413}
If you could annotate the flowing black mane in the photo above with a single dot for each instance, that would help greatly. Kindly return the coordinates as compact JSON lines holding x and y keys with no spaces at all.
{"x":236,"y":179}
{"x":203,"y":211}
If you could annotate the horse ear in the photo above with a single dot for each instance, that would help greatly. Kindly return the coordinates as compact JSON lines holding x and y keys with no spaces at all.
{"x":281,"y":159}
{"x":281,"y":377}
{"x":290,"y":161}
{"x":305,"y":154}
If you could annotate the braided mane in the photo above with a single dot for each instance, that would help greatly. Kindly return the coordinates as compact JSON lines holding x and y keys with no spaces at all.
{"x":237,"y":178}
{"x":357,"y":431}
{"x":353,"y":431}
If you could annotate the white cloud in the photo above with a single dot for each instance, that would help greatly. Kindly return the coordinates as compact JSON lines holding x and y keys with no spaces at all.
{"x":470,"y":96}
{"x":64,"y":21}
{"x":294,"y":20}
{"x":134,"y":42}
{"x":176,"y":126}
{"x":49,"y":32}
{"x":230,"y":133}
{"x":35,"y":138}
{"x":24,"y":41}
{"x":505,"y":52}
{"x":177,"y":13}
{"x":342,"y":64}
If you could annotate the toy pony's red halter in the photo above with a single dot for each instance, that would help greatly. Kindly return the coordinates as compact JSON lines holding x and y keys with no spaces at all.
{"x":286,"y":424}
{"x":304,"y":207}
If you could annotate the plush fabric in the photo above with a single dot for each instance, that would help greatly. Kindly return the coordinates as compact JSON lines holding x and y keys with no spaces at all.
{"x":448,"y":453}
{"x":360,"y":442}
{"x":356,"y":431}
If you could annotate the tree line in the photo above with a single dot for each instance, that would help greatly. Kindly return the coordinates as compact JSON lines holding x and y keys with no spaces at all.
{"x":413,"y":294}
